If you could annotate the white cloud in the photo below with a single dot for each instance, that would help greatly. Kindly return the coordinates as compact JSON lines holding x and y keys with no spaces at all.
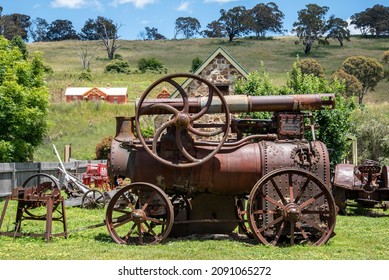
{"x":352,"y":28}
{"x":184,"y":6}
{"x":220,"y":1}
{"x":76,"y":4}
{"x":137,"y":3}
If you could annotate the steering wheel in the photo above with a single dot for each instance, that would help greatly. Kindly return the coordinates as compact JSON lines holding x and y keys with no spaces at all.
{"x":183,"y":121}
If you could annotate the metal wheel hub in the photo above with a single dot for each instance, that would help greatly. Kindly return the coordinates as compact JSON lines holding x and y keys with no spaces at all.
{"x":138,"y":216}
{"x":183,"y":120}
{"x":292,"y":212}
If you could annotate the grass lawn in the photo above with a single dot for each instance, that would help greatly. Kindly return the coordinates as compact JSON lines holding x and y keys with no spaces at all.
{"x":358,"y":237}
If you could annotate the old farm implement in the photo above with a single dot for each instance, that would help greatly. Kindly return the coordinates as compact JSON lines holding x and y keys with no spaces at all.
{"x":205,"y":170}
{"x":366,"y":184}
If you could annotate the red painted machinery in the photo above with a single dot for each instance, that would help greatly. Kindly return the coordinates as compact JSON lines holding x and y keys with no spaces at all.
{"x":206,"y":171}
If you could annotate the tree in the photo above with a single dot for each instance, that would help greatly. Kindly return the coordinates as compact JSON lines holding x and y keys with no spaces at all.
{"x":215,"y":29}
{"x":234,"y":21}
{"x":187,"y":26}
{"x":367,"y":70}
{"x":14,"y":25}
{"x":152,"y":34}
{"x":23,"y":103}
{"x":311,"y":25}
{"x":373,"y":20}
{"x":337,"y":29}
{"x":86,"y":55}
{"x":60,"y":30}
{"x":39,"y":29}
{"x":105,"y":30}
{"x":265,"y":18}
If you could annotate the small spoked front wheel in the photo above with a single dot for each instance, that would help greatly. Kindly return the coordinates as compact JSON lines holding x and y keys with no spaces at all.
{"x":139,"y":213}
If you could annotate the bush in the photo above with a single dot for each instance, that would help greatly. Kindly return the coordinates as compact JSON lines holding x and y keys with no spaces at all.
{"x":118,"y":66}
{"x":353,"y":86}
{"x":196,"y":63}
{"x":151,"y":64}
{"x":385,"y":57}
{"x":309,"y":66}
{"x":104,"y":148}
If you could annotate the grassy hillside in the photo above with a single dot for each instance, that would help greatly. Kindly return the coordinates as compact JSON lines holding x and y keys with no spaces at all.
{"x":70,"y":123}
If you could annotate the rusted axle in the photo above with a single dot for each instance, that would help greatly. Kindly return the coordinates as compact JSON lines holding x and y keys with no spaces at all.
{"x":243,"y":103}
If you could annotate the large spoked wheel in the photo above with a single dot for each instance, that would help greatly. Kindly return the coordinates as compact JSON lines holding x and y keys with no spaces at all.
{"x":183,"y":121}
{"x":139,"y":213}
{"x":93,"y":199}
{"x":291,"y":206}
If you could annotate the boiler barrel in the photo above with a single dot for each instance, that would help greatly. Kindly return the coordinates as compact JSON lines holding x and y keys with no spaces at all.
{"x":232,"y":171}
{"x":243,"y":103}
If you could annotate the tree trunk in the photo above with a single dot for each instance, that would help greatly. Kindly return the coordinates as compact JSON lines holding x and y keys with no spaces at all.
{"x":307,"y":48}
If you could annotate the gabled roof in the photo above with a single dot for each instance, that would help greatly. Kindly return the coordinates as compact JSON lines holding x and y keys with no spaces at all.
{"x":85,"y":91}
{"x":211,"y":57}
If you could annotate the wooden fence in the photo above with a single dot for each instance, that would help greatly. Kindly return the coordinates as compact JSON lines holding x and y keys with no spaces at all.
{"x":14,"y":174}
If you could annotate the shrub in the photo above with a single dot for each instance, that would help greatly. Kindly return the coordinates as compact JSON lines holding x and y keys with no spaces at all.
{"x":196,"y":63}
{"x":353,"y":86}
{"x":309,"y":66}
{"x":104,"y":148}
{"x":385,"y":57}
{"x":118,"y":66}
{"x":151,"y":64}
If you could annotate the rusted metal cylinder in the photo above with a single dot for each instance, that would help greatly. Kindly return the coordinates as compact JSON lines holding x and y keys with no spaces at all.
{"x":244,"y":103}
{"x":232,"y":171}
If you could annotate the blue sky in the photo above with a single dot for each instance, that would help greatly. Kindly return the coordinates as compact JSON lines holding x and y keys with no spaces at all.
{"x":135,"y":15}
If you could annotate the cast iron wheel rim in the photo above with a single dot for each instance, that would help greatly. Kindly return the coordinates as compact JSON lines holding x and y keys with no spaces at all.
{"x":241,"y":212}
{"x":93,"y":199}
{"x":49,"y":179}
{"x":182,"y":121}
{"x":303,"y":212}
{"x":139,"y":213}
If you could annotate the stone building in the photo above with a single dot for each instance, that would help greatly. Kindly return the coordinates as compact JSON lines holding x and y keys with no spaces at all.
{"x":221,"y":69}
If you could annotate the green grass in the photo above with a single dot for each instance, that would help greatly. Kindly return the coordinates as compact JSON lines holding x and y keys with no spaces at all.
{"x":358,"y":237}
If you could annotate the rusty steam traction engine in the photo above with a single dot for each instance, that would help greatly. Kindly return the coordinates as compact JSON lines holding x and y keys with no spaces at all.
{"x":207,"y":172}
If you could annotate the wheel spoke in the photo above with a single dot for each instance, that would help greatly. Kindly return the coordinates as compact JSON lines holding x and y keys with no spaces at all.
{"x":291,"y":191}
{"x":278,"y":191}
{"x":272,"y":201}
{"x":203,"y":133}
{"x":312,"y":224}
{"x":300,"y":193}
{"x":311,"y":200}
{"x":266,"y":211}
{"x":148,"y":200}
{"x":303,"y":233}
{"x":127,"y":236}
{"x":129,"y":203}
{"x":292,"y":233}
{"x":158,"y":133}
{"x":119,"y":222}
{"x":140,"y":234}
{"x":274,"y":222}
{"x":155,"y":220}
{"x":315,"y":212}
{"x":279,"y":233}
{"x":182,"y":149}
